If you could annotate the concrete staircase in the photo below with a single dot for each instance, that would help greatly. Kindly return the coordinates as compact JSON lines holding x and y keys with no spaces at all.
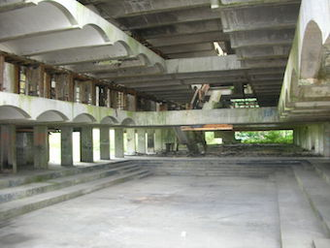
{"x":216,"y":167}
{"x":20,"y":195}
{"x":304,"y":206}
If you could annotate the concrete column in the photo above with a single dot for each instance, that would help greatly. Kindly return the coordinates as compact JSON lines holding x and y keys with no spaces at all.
{"x":326,"y":140}
{"x":228,"y":137}
{"x":130,"y":135}
{"x":141,"y":146}
{"x":119,"y":143}
{"x":8,"y":148}
{"x":2,"y":71}
{"x":66,"y":146}
{"x":86,"y":144}
{"x":24,"y":144}
{"x":158,"y":140}
{"x":40,"y":147}
{"x":104,"y":143}
{"x":151,"y":141}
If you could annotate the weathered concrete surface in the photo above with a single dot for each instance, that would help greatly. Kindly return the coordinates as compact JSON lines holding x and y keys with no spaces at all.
{"x":14,"y":107}
{"x":157,"y":212}
{"x":215,"y":116}
{"x":306,"y":92}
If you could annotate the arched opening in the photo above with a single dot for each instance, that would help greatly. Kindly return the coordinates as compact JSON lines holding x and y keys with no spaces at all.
{"x":8,"y":112}
{"x":311,"y":51}
{"x":128,"y":122}
{"x":52,"y":116}
{"x":84,"y":118}
{"x":109,"y":120}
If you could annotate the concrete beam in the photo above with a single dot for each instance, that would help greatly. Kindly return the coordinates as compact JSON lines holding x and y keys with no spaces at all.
{"x":123,"y":73}
{"x":223,"y":4}
{"x":83,"y":54}
{"x":278,"y":51}
{"x":215,"y":116}
{"x":262,"y":38}
{"x":122,"y":9}
{"x":108,"y":66}
{"x":188,"y":48}
{"x":188,"y":39}
{"x":258,"y":18}
{"x":264,"y":63}
{"x":192,"y":54}
{"x":205,"y":64}
{"x":161,"y":20}
{"x":189,"y":27}
{"x":153,"y":85}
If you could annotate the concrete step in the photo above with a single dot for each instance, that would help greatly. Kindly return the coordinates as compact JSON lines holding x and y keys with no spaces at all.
{"x":15,"y":208}
{"x":323,"y":170}
{"x":26,"y":190}
{"x":298,"y":224}
{"x":317,"y":192}
{"x":28,"y":177}
{"x":321,"y":243}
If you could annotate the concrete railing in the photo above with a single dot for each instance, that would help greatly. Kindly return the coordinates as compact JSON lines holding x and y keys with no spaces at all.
{"x":15,"y":107}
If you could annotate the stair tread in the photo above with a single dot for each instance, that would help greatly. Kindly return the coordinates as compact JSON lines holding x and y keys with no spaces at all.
{"x":63,"y":191}
{"x":23,"y":187}
{"x":317,"y":190}
{"x":299,"y":226}
{"x":26,"y":177}
{"x":87,"y":174}
{"x":324,"y":169}
{"x":31,"y":186}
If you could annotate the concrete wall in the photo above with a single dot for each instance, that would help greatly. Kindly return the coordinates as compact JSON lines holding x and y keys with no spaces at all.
{"x":315,"y":137}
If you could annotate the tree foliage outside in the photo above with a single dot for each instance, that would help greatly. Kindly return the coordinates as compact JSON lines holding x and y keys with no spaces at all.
{"x":266,"y":137}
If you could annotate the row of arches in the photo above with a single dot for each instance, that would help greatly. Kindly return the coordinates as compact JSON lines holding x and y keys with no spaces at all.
{"x":306,"y":62}
{"x":13,"y":113}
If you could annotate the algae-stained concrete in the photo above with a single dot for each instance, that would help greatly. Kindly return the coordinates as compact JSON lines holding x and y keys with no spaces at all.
{"x":14,"y":107}
{"x":157,"y":212}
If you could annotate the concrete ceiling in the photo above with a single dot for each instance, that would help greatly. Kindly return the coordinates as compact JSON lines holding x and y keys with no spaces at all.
{"x":175,"y":47}
{"x":260,"y":33}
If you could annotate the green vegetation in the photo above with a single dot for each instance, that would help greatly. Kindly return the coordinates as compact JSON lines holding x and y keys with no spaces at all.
{"x":266,"y":137}
{"x":210,"y":140}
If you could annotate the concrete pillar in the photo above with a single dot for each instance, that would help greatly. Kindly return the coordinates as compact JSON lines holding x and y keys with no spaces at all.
{"x":104,"y":143}
{"x":86,"y":144}
{"x":130,"y":135}
{"x":24,"y":144}
{"x":158,"y":140}
{"x":40,"y":147}
{"x":228,"y":137}
{"x":8,"y":148}
{"x":119,"y":143}
{"x":326,"y":140}
{"x":141,"y":146}
{"x":2,"y":71}
{"x":66,"y":146}
{"x":151,"y":141}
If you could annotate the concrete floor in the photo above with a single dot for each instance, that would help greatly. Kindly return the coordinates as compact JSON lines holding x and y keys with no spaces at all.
{"x":157,"y":212}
